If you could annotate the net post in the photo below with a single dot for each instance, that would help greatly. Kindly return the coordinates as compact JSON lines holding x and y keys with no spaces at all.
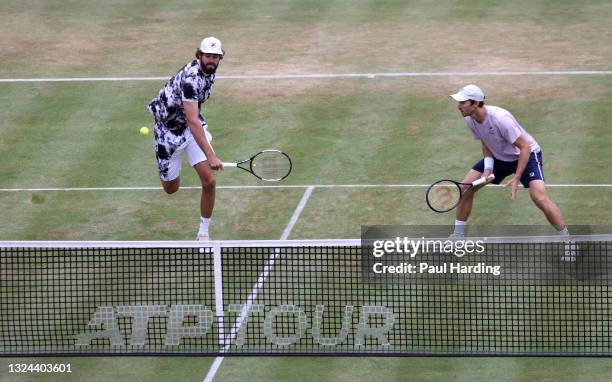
{"x":218,"y":278}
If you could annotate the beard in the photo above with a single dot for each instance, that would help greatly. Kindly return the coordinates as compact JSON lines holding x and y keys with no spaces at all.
{"x":209,"y":68}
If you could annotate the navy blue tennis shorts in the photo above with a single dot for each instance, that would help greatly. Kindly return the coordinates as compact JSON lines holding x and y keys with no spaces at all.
{"x":501,"y":169}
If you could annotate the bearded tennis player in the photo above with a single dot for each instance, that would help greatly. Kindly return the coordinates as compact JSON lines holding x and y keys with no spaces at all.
{"x":181,"y":129}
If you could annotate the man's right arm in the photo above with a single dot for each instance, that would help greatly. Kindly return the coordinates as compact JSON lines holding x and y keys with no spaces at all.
{"x":195,"y":126}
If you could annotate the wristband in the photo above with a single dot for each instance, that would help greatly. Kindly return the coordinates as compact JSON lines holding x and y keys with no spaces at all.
{"x":488,"y":163}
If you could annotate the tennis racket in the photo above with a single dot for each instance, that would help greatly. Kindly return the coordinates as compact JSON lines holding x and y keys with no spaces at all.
{"x":269,"y":165}
{"x":445,"y":195}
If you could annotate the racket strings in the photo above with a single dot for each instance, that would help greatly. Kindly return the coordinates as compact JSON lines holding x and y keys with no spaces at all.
{"x":444,"y":196}
{"x":271,"y":165}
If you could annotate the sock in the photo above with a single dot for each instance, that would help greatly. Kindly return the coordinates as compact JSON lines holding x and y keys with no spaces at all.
{"x":460,"y":226}
{"x":204,"y":222}
{"x":564,"y":231}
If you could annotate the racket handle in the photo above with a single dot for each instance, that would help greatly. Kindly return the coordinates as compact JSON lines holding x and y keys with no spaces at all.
{"x":230,"y":164}
{"x":483,"y":180}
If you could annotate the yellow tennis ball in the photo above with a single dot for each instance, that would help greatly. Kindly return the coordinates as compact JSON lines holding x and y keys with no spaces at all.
{"x":144,"y":131}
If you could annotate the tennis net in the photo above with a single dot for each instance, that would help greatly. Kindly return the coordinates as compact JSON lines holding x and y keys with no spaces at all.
{"x":517,"y":296}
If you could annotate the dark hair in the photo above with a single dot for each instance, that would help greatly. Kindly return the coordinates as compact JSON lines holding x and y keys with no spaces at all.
{"x":480,"y":103}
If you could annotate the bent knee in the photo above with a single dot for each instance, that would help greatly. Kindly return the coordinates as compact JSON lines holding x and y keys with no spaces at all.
{"x":209,"y":182}
{"x":170,"y":187}
{"x":540,"y":199}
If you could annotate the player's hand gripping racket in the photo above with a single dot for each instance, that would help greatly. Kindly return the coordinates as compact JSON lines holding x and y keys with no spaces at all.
{"x":445,"y":195}
{"x":270,"y":165}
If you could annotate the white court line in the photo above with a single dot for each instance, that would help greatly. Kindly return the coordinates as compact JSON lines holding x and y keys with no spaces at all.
{"x":297,"y":213}
{"x":258,"y":285}
{"x":154,"y":188}
{"x":329,"y":75}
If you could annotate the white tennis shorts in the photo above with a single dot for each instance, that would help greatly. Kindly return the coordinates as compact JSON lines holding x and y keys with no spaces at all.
{"x":170,"y":168}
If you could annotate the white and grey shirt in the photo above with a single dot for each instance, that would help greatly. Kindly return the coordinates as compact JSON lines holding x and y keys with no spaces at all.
{"x":499,"y":131}
{"x":189,"y":84}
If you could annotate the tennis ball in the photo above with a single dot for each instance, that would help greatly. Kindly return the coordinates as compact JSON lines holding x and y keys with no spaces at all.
{"x":144,"y":131}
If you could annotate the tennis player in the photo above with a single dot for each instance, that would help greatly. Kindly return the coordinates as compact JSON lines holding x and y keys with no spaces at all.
{"x":180,"y":128}
{"x":508,"y":150}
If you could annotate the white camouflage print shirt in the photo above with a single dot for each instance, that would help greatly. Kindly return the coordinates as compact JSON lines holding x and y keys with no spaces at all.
{"x":189,"y":84}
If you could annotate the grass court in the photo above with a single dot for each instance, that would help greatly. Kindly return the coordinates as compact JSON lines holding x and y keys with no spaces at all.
{"x":356,"y":92}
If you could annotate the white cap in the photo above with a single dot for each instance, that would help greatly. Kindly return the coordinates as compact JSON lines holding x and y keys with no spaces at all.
{"x":468,"y":92}
{"x":211,"y":45}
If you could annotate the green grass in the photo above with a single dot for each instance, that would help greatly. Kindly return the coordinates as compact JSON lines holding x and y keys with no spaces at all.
{"x":417,"y":369}
{"x":96,"y":37}
{"x":114,"y":368}
{"x":334,"y":136}
{"x":325,"y":369}
{"x":338,"y":131}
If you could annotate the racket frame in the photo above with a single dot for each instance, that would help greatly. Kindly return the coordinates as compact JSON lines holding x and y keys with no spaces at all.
{"x":249,"y":169}
{"x":478,"y":182}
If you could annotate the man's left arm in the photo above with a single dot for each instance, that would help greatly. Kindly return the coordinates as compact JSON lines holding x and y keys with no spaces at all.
{"x":525,"y":148}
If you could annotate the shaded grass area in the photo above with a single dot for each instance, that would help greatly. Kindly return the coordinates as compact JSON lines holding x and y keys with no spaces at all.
{"x":417,"y":369}
{"x":110,"y":38}
{"x":113,"y":368}
{"x":325,"y":369}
